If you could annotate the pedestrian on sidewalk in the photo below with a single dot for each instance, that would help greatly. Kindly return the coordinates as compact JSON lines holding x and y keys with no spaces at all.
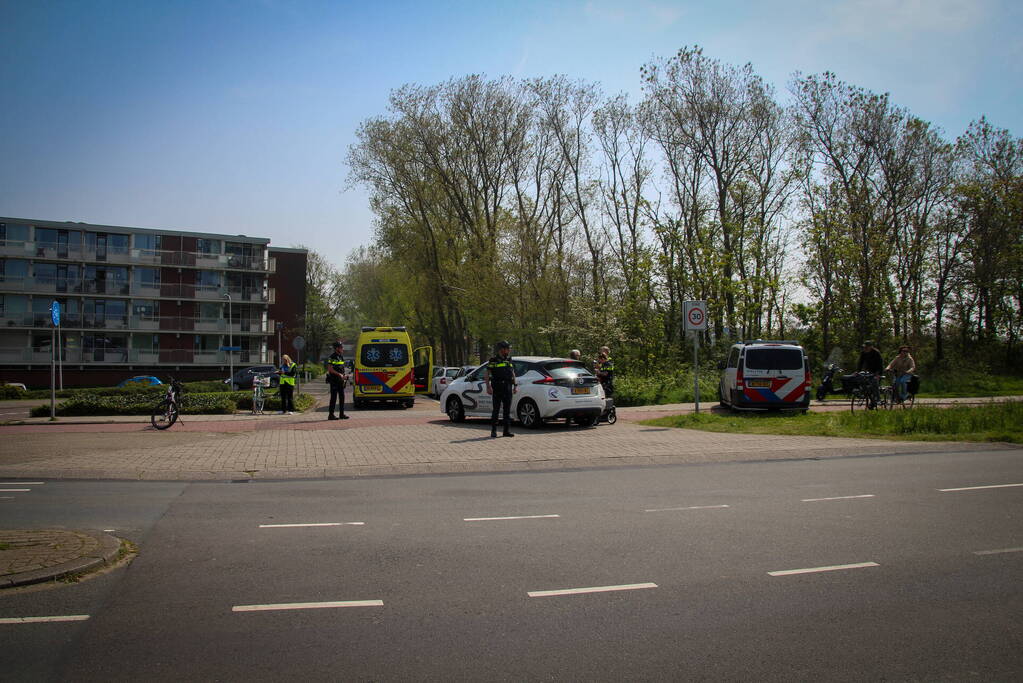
{"x":337,"y":377}
{"x":286,"y":389}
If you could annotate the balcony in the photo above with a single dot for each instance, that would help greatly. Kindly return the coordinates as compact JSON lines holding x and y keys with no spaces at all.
{"x":30,"y":356}
{"x":131,"y":256}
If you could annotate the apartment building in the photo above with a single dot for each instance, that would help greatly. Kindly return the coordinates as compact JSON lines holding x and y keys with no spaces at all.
{"x":134,"y":301}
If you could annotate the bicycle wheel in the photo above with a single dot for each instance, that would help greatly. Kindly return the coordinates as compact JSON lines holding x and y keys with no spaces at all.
{"x":887,"y":399}
{"x":258,"y":399}
{"x":164,"y":415}
{"x":857,"y":401}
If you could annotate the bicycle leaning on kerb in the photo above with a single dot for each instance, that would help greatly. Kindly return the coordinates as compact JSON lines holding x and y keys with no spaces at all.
{"x":260,"y":383}
{"x":166,"y":412}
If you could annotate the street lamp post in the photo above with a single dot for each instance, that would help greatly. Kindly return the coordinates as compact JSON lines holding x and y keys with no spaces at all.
{"x":279,"y":326}
{"x":230,"y":343}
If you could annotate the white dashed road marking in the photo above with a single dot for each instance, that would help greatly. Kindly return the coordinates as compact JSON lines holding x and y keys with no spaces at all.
{"x":998,"y":552}
{"x":832,"y":568}
{"x":43,"y":620}
{"x":22,"y":483}
{"x":292,"y":526}
{"x":592,"y":589}
{"x":307,"y":605}
{"x":495,"y":519}
{"x":816,"y":500}
{"x":14,"y":490}
{"x":692,"y":507}
{"x":978,"y":488}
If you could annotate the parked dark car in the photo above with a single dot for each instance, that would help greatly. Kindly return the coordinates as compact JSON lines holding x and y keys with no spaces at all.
{"x":242,"y":379}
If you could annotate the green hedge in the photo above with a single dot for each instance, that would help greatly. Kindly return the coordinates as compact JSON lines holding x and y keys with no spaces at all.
{"x":677,"y":387}
{"x":9,"y":393}
{"x":208,"y":403}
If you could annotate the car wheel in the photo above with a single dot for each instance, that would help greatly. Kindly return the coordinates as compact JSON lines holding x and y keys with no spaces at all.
{"x":529,"y":414}
{"x":455,"y":411}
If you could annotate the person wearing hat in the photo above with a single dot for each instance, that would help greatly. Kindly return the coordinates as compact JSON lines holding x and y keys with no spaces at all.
{"x":337,"y":375}
{"x":870,"y":360}
{"x":903,"y":366}
{"x":500,"y":374}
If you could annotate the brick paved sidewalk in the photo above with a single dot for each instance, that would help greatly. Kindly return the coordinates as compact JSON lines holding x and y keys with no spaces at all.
{"x":36,"y":555}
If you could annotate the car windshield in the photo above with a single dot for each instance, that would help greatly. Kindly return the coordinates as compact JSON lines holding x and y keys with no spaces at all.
{"x":566,"y":369}
{"x":774,"y":359}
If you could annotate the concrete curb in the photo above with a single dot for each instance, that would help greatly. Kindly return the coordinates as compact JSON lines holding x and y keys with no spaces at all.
{"x":107,"y":553}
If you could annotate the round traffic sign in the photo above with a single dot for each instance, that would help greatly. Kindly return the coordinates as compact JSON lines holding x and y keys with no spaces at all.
{"x":695,"y":316}
{"x":298,"y":343}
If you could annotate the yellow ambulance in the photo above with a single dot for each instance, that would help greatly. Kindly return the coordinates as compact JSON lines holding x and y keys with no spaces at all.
{"x":387,"y":370}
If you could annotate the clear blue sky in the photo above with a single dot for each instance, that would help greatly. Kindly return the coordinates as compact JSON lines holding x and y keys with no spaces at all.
{"x":235,"y":116}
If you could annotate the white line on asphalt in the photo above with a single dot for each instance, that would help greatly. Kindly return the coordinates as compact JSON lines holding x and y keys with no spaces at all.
{"x":109,"y":530}
{"x":998,"y":552}
{"x":307,"y":605}
{"x":812,"y":570}
{"x":494,"y":519}
{"x":22,"y":483}
{"x":14,"y":490}
{"x":815,"y":500}
{"x":977,"y":488}
{"x":693,"y":507}
{"x":592,"y":589}
{"x":291,"y":526}
{"x":43,"y":620}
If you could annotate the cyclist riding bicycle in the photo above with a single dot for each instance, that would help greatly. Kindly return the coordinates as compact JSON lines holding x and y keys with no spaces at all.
{"x":903,"y":366}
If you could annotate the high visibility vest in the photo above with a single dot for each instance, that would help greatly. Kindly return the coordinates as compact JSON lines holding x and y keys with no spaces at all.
{"x":289,"y":376}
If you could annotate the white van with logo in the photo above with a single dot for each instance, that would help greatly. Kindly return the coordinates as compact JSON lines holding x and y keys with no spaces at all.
{"x":765,"y":375}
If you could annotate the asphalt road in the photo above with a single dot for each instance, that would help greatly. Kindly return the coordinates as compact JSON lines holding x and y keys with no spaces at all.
{"x":718,"y":573}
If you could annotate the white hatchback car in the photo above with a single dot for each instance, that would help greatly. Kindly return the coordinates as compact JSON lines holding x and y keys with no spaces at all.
{"x":548,"y":389}
{"x":442,"y":376}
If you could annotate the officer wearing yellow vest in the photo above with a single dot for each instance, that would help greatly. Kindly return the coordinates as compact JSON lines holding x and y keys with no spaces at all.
{"x":337,"y":376}
{"x":288,"y":372}
{"x":501,"y":385}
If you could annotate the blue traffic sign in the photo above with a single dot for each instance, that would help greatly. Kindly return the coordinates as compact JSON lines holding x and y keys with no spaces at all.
{"x":230,"y":348}
{"x":55,"y":313}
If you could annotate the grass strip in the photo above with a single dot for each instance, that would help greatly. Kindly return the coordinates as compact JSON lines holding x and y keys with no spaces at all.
{"x":1001,"y":422}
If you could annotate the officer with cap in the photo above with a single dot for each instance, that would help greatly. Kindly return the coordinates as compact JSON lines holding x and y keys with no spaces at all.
{"x":501,"y":385}
{"x":337,"y":375}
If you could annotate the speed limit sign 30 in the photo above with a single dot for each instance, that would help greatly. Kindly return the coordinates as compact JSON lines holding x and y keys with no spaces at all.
{"x":695,"y":315}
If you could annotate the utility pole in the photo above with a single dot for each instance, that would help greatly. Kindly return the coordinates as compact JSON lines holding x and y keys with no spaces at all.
{"x":230,"y":343}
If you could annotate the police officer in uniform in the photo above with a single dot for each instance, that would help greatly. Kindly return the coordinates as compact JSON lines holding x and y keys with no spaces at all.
{"x":501,"y":385}
{"x":337,"y":375}
{"x":606,"y":372}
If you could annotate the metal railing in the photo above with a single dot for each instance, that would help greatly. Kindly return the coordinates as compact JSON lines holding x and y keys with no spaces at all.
{"x":130,"y":255}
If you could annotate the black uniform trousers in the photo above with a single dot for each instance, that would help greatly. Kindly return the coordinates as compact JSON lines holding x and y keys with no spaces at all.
{"x":337,"y":395}
{"x":287,"y":393}
{"x":502,"y":397}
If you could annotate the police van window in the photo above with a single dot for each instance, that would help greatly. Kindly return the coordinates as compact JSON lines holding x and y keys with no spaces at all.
{"x":384,"y":355}
{"x":733,"y":358}
{"x":774,"y":359}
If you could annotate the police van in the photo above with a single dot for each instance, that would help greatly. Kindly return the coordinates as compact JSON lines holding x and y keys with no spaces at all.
{"x":765,"y":375}
{"x":387,"y":369}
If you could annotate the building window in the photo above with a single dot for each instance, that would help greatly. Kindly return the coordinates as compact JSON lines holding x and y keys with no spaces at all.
{"x":147,"y":277}
{"x":148,"y":242}
{"x":13,"y":270}
{"x":207,"y":278}
{"x":144,"y":310}
{"x":145,"y":342}
{"x":13,"y":233}
{"x":207,"y":343}
{"x":207,"y":247}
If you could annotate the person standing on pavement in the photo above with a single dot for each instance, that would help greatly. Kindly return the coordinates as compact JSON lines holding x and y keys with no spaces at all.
{"x":606,"y":372}
{"x":288,"y":372}
{"x":337,"y":377}
{"x":575,"y":354}
{"x":500,"y":375}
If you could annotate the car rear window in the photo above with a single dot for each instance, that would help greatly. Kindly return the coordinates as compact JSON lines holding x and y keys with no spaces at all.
{"x":774,"y":359}
{"x":384,"y":355}
{"x":453,"y":372}
{"x":566,"y":369}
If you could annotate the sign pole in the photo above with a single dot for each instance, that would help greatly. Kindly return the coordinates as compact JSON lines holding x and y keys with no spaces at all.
{"x":60,"y":358}
{"x":695,"y":319}
{"x":55,"y":317}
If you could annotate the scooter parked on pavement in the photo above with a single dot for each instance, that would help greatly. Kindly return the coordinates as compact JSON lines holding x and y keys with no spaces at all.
{"x":827,"y":382}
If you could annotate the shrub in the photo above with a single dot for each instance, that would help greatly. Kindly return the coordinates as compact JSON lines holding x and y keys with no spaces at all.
{"x":138,"y":404}
{"x":9,"y":393}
